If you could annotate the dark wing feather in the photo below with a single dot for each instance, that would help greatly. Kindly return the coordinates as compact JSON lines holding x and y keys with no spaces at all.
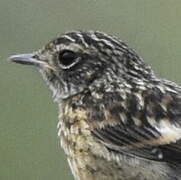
{"x":144,"y":124}
{"x":134,"y":142}
{"x":172,"y":152}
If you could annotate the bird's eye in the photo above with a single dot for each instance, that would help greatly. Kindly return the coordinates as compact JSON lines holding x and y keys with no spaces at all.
{"x":67,"y":58}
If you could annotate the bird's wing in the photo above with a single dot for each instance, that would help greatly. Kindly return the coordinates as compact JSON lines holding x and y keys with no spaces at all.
{"x":146,"y":126}
{"x":143,"y":142}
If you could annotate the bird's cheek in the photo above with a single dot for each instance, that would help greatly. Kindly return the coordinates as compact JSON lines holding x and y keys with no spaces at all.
{"x":47,"y":73}
{"x":90,"y":76}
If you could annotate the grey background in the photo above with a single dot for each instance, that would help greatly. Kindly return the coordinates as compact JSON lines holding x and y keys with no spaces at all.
{"x":29,"y":147}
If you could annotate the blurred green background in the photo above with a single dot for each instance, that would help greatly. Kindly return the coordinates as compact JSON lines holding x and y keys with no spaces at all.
{"x":29,"y":147}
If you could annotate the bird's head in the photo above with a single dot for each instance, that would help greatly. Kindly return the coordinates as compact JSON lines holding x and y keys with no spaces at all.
{"x":74,"y":61}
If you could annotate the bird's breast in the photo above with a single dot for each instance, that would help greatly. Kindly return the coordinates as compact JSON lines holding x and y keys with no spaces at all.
{"x":85,"y":155}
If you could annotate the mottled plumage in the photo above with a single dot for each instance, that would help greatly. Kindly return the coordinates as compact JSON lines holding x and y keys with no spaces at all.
{"x":117,"y":119}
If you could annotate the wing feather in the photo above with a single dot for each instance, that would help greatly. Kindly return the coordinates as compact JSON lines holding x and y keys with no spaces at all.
{"x":149,"y":130}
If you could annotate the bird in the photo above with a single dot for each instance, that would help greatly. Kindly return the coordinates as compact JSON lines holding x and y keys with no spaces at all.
{"x":118,"y":120}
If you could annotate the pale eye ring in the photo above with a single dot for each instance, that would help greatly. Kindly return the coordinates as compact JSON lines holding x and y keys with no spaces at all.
{"x":67,"y":59}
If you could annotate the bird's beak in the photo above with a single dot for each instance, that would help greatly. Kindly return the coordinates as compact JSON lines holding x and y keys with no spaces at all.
{"x":27,"y":59}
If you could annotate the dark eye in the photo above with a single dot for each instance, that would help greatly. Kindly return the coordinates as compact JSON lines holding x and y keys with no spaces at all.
{"x":67,"y":58}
